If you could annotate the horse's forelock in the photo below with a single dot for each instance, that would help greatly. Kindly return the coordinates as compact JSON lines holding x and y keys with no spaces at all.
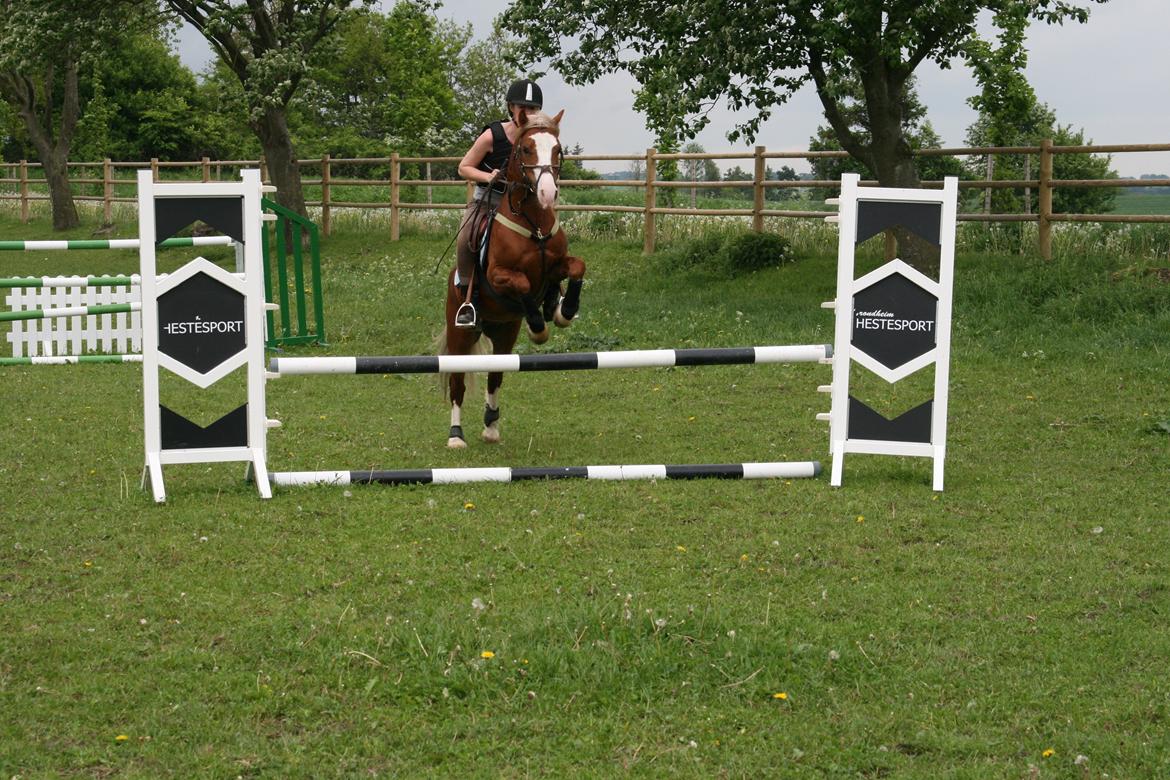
{"x":538,"y":120}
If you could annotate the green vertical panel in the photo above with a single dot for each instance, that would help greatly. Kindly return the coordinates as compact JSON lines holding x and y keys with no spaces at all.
{"x":299,"y":276}
{"x":265,"y":247}
{"x":318,"y":300}
{"x":282,"y":275}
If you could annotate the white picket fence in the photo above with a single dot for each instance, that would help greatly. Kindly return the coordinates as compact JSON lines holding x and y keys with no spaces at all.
{"x":119,"y":333}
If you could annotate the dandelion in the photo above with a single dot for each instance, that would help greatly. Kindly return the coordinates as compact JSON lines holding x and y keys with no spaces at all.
{"x":680,"y":548}
{"x":782,"y":696}
{"x":1048,"y":753}
{"x":691,"y":418}
{"x":743,"y":557}
{"x":468,"y":506}
{"x":121,"y":738}
{"x":487,"y":654}
{"x":861,"y":518}
{"x":87,"y":564}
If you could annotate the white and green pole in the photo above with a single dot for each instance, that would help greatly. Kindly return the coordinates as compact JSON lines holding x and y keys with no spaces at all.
{"x":69,"y":311}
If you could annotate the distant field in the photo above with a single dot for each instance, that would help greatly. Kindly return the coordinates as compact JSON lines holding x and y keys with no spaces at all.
{"x":1135,"y":203}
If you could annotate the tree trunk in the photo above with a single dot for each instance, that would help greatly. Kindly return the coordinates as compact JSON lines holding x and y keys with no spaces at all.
{"x":272,"y":130}
{"x":53,"y":153}
{"x":56,"y":167}
{"x":893,"y":164}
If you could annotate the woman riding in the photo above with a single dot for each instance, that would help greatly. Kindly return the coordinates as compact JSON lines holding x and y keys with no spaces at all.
{"x":484,"y":165}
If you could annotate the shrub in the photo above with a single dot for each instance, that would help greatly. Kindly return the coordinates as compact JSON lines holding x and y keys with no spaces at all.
{"x":748,"y":252}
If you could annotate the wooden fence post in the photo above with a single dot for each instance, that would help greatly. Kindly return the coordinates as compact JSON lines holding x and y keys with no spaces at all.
{"x":430,"y":189}
{"x":758,"y":191}
{"x":107,"y":191}
{"x":205,"y":166}
{"x":990,"y":177}
{"x":154,"y":168}
{"x":326,"y":195}
{"x":24,"y":190}
{"x":1045,"y":232}
{"x":1027,"y":190}
{"x":648,"y":231}
{"x":394,"y":174}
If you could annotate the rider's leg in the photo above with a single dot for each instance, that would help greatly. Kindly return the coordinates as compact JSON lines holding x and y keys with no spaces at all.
{"x":465,"y":317}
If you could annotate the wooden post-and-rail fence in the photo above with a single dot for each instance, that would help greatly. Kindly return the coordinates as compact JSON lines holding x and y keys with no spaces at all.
{"x":652,"y":183}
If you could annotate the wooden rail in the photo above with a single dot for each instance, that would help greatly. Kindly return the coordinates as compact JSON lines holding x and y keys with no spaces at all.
{"x":22,"y":175}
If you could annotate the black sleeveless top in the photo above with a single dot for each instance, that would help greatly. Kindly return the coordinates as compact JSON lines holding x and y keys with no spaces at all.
{"x":497,"y":158}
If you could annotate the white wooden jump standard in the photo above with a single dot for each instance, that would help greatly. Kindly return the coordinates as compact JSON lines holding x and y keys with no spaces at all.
{"x":241,"y":206}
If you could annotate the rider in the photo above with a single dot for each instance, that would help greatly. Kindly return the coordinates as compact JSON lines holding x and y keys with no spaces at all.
{"x":484,"y":164}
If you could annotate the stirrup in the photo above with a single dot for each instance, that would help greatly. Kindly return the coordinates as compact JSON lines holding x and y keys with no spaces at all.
{"x":465,"y":318}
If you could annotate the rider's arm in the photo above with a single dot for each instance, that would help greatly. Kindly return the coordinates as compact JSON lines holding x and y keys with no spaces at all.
{"x":469,"y":165}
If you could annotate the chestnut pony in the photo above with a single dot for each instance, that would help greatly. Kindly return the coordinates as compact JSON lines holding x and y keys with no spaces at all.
{"x":527,"y":259}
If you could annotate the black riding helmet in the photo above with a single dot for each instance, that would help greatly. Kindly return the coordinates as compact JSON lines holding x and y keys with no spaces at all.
{"x":524,"y":92}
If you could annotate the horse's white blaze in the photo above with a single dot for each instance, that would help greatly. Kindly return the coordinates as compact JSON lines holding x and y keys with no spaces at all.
{"x":546,"y":186}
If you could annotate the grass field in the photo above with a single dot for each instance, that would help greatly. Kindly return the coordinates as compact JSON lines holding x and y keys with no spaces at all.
{"x":1013,"y":626}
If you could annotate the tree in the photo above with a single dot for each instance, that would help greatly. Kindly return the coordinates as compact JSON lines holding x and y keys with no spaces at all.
{"x":1011,"y":115}
{"x":737,"y":173}
{"x":269,"y":45}
{"x":916,"y":129}
{"x":44,"y":47}
{"x":688,"y":55}
{"x":786,"y":173}
{"x":696,"y":170}
{"x":482,"y":77}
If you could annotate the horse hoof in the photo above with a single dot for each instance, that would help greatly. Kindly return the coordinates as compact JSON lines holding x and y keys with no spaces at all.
{"x":538,"y":338}
{"x":455,"y":443}
{"x":560,"y":321}
{"x":491,"y":435}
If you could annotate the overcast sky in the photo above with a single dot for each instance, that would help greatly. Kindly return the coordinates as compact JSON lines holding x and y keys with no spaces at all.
{"x":1109,"y":77}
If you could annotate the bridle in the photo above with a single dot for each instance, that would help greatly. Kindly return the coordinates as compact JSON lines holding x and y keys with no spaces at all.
{"x":525,"y":180}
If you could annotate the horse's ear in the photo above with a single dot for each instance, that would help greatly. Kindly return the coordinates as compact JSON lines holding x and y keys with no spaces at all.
{"x":557,"y":118}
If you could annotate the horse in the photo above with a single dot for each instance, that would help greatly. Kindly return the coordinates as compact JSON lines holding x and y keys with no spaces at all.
{"x":527,"y":259}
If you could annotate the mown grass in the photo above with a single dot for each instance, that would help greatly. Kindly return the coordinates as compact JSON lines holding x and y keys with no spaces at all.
{"x":643,"y":629}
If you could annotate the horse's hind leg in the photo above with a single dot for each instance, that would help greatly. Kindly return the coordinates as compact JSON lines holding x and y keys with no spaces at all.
{"x":503,"y":339}
{"x":568,"y":306}
{"x":457,"y":387}
{"x":456,"y":342}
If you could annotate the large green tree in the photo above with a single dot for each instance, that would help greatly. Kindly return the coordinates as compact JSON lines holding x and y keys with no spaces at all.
{"x":45,"y":48}
{"x":690,"y":55}
{"x":1011,"y":115}
{"x":388,"y":81}
{"x":269,"y":45}
{"x":916,"y":129}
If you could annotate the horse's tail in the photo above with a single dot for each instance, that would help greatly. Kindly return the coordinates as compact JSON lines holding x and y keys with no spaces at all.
{"x":482,"y":346}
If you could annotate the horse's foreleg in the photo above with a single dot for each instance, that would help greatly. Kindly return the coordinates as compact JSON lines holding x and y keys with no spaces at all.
{"x":567,"y":308}
{"x":516,"y":285}
{"x":491,"y":409}
{"x":457,"y":385}
{"x":503,"y":337}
